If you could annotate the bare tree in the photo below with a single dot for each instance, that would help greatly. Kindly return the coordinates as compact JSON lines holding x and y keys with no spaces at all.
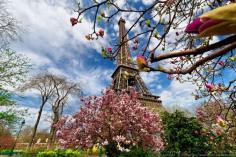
{"x":54,"y":90}
{"x":8,"y":25}
{"x":45,"y":86}
{"x":63,"y":89}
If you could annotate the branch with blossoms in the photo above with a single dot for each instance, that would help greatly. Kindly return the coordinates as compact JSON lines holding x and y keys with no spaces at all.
{"x":176,"y":38}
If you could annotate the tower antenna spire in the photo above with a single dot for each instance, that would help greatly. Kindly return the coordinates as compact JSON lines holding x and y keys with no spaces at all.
{"x":124,"y":55}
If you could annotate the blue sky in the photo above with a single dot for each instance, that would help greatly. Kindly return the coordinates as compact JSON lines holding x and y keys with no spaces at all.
{"x":54,"y":46}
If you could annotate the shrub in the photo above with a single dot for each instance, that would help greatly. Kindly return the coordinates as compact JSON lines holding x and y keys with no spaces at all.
{"x":49,"y":153}
{"x":184,"y":135}
{"x":59,"y":153}
{"x":68,"y":153}
{"x":6,"y":142}
{"x":5,"y":152}
{"x":138,"y":152}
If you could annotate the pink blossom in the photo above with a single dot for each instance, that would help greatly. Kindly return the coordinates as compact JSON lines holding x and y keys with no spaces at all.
{"x":222,"y":63}
{"x":210,"y":24}
{"x":218,"y":132}
{"x":73,"y":21}
{"x":194,"y":26}
{"x":109,"y":49}
{"x":198,"y":25}
{"x":210,"y":86}
{"x":169,"y":77}
{"x":220,"y":121}
{"x":101,"y":32}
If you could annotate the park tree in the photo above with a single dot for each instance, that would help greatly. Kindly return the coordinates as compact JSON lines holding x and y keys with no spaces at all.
{"x":184,"y":136}
{"x":190,"y":41}
{"x":63,"y":90}
{"x":219,"y":124}
{"x":9,"y":26}
{"x":44,"y":85}
{"x":13,"y":66}
{"x":117,"y":121}
{"x":54,"y":90}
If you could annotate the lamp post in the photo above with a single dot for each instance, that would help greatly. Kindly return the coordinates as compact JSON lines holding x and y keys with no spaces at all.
{"x":18,"y":134}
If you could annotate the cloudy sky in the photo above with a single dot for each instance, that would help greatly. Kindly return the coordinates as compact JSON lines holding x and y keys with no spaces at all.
{"x":54,"y":46}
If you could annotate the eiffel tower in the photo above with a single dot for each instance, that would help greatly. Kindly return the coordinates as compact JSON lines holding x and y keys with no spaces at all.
{"x":126,"y":73}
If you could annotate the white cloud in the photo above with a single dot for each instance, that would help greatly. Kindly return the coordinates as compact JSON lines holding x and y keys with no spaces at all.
{"x":93,"y":81}
{"x":48,"y":31}
{"x":120,"y":3}
{"x":35,"y":58}
{"x":49,"y":40}
{"x":179,"y":94}
{"x":148,"y":2}
{"x":56,"y":71}
{"x":150,"y":78}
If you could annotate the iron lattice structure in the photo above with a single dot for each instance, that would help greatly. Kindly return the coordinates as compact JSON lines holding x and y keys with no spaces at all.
{"x":127,"y":75}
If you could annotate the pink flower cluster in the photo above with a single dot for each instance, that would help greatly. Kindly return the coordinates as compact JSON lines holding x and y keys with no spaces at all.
{"x":110,"y":118}
{"x":211,"y":87}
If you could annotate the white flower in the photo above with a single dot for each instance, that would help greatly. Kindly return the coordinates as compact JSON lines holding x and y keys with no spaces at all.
{"x":120,"y":148}
{"x":105,"y":143}
{"x":127,"y":150}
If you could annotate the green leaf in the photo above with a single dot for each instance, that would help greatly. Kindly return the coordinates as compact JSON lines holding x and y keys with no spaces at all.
{"x":104,"y":53}
{"x":156,"y":34}
{"x":148,"y":23}
{"x":99,"y":18}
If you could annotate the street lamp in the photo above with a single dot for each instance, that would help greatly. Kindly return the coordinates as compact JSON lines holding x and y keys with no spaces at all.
{"x":18,"y":134}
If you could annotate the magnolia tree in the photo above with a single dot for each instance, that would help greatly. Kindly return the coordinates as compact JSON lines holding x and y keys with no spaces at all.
{"x":185,"y":39}
{"x":219,"y":123}
{"x":112,"y":119}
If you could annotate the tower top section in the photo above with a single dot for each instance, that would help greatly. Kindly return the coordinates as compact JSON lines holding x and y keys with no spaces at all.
{"x":124,"y":56}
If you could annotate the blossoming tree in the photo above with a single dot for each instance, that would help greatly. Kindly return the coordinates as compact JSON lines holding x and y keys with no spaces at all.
{"x":112,"y":120}
{"x":219,"y":123}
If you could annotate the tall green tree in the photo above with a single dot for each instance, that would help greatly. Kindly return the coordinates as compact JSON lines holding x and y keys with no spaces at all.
{"x":183,"y":135}
{"x":13,"y":67}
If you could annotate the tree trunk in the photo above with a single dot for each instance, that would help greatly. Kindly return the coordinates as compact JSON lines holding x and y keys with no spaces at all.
{"x":53,"y":130}
{"x":62,"y":109}
{"x":37,"y":122}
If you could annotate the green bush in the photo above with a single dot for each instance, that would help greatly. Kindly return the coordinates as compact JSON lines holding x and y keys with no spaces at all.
{"x":49,"y":153}
{"x":183,"y":136}
{"x":138,"y":152}
{"x":68,"y":153}
{"x":5,"y":152}
{"x":59,"y":153}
